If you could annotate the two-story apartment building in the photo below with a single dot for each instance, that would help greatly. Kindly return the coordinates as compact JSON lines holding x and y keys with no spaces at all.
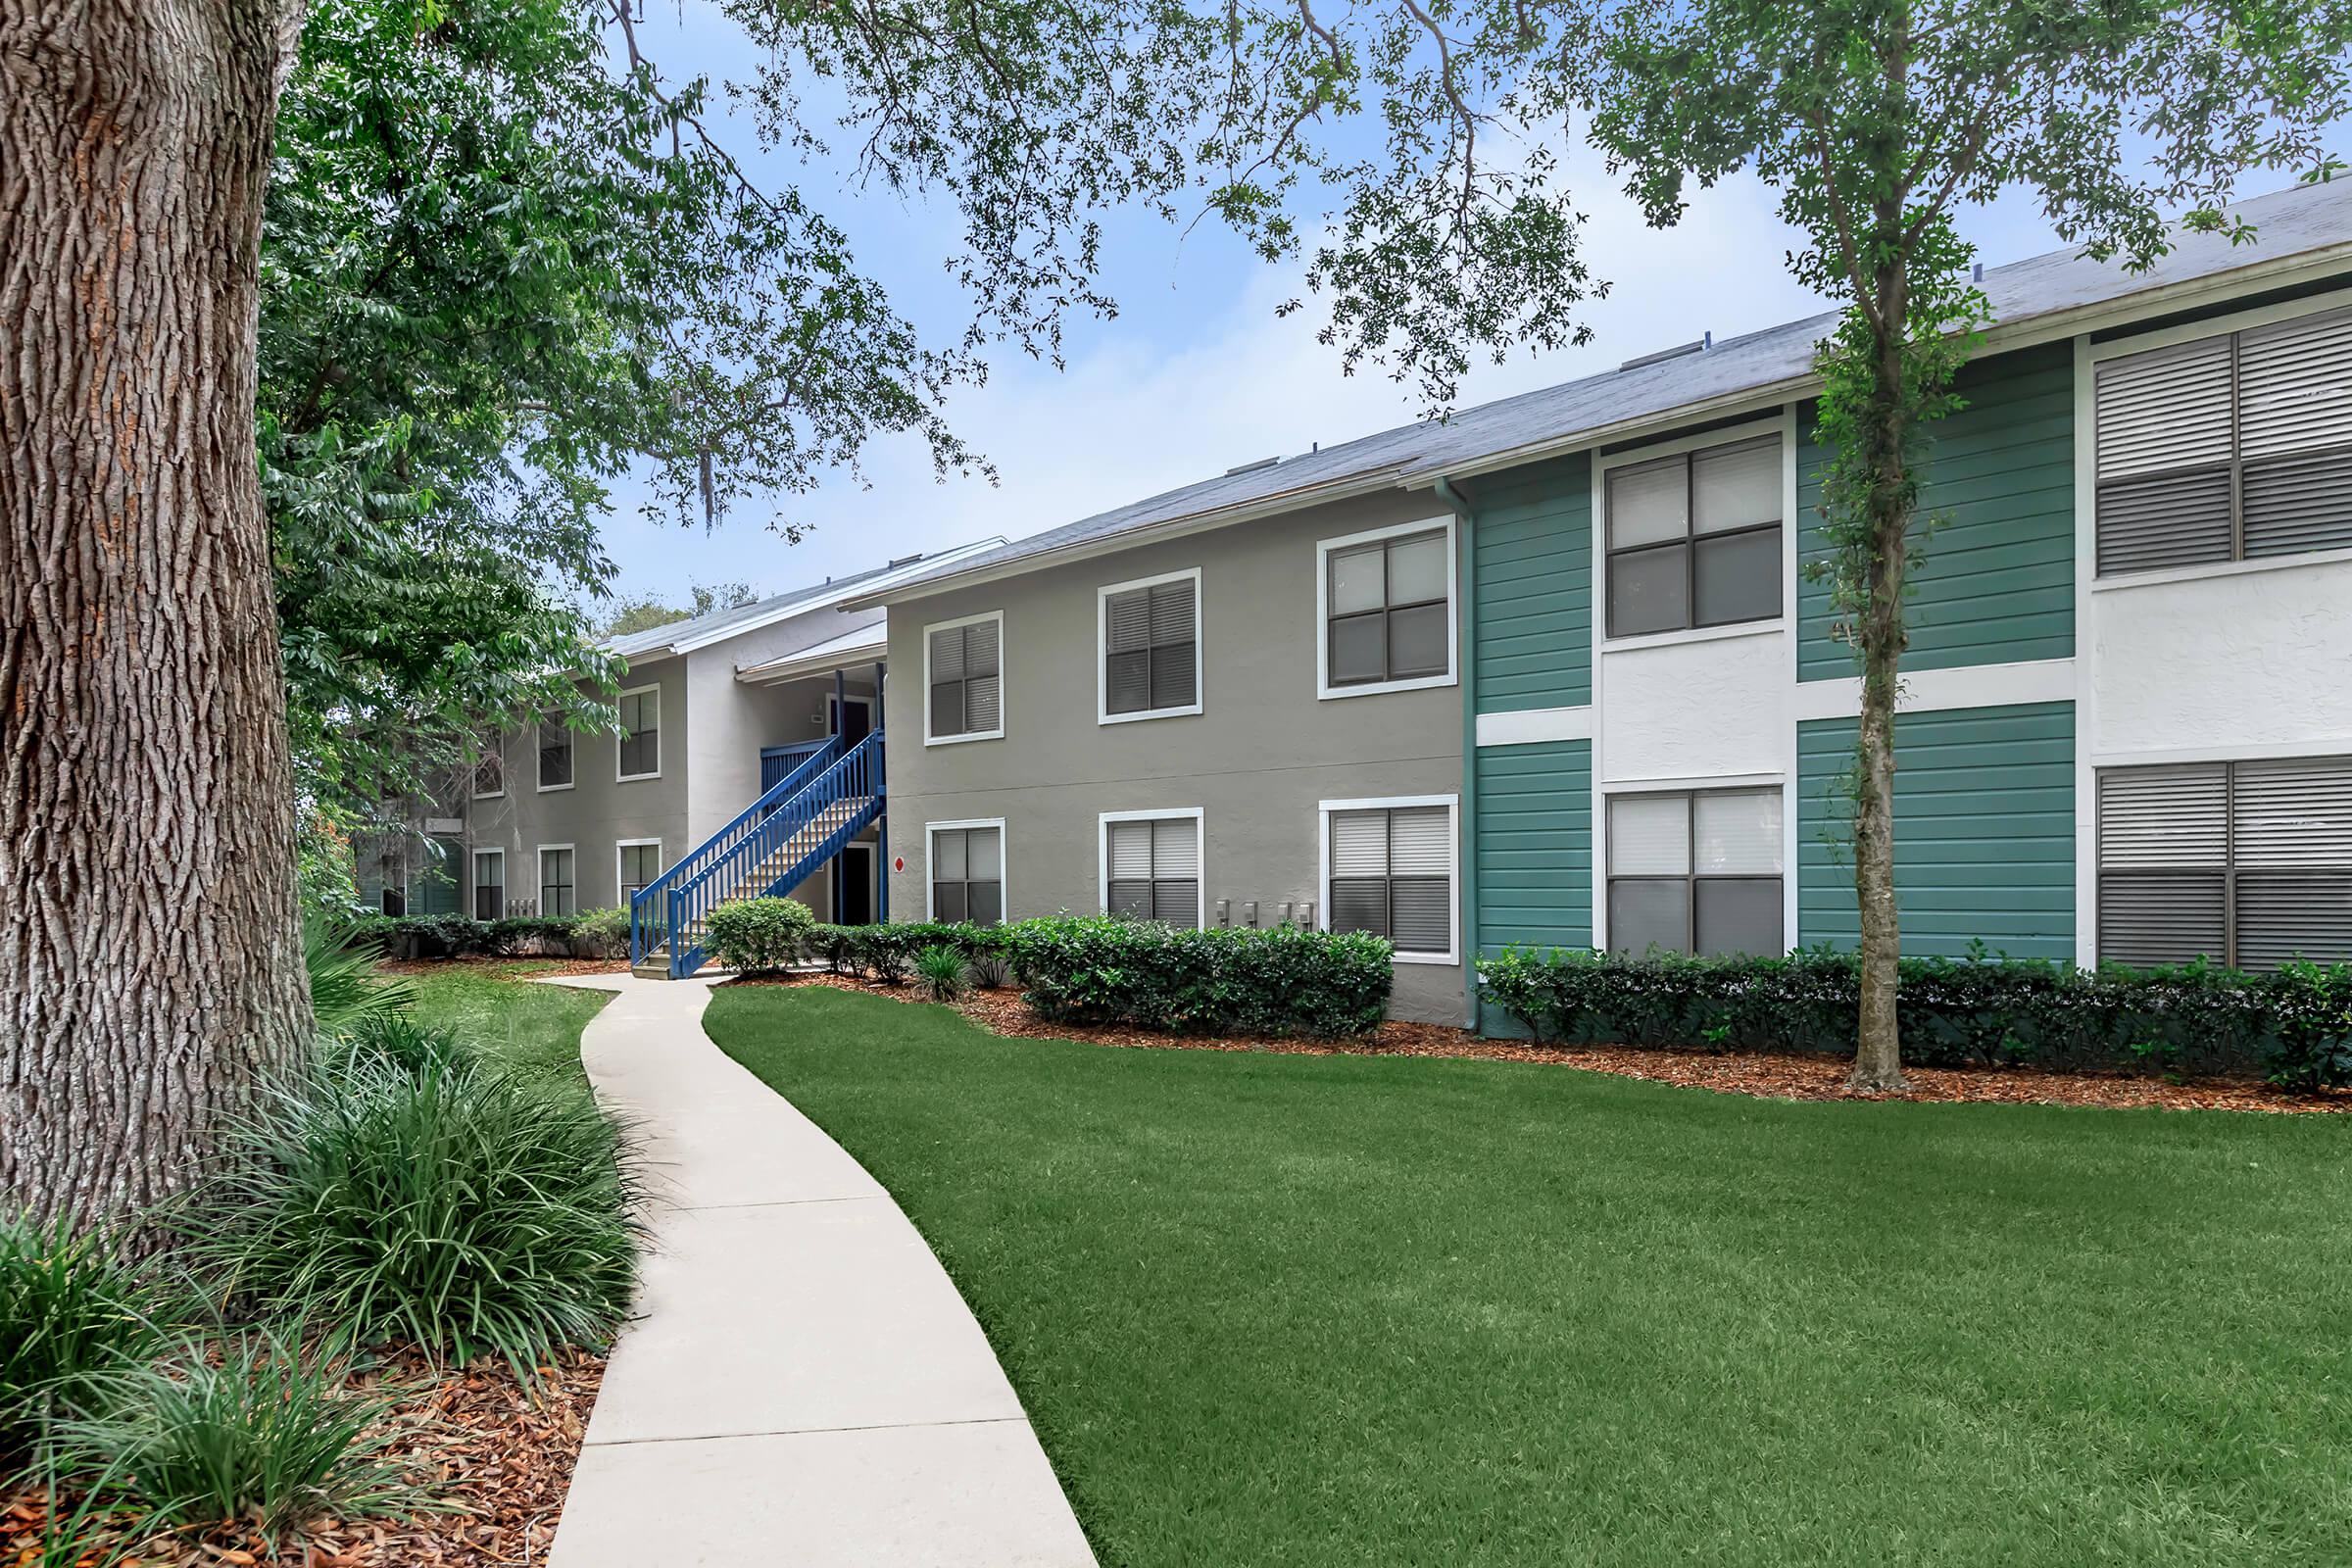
{"x":1552,"y":672}
{"x":713,"y":710}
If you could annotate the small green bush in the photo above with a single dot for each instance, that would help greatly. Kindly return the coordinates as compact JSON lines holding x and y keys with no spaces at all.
{"x":836,"y":945}
{"x":465,"y":1209}
{"x":941,"y":969}
{"x":261,"y":1431}
{"x":397,"y":1041}
{"x":757,"y":936}
{"x":71,"y":1314}
{"x":1224,"y":980}
{"x":887,"y":952}
{"x":2294,"y":1027}
{"x":600,"y":933}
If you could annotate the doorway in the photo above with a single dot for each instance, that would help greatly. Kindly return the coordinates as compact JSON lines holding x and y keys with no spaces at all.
{"x":856,"y":885}
{"x":852,"y":724}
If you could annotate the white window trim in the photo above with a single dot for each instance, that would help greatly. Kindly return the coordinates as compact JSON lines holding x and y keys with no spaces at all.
{"x":539,"y":878}
{"x":618,"y":777}
{"x":997,"y":734}
{"x":1103,"y":597}
{"x":931,"y":832}
{"x":619,"y":881}
{"x":1324,"y":690}
{"x":2121,"y":348}
{"x":1784,"y":784}
{"x":1323,"y":811}
{"x":1170,"y":813}
{"x":500,"y":751}
{"x":537,"y":746}
{"x":474,"y":868}
{"x":1778,"y":423}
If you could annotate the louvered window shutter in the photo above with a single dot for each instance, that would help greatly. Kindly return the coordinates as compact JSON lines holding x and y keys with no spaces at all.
{"x":1421,"y":883}
{"x":1173,"y":651}
{"x":983,"y":705}
{"x":2164,"y":451}
{"x":2292,"y":822}
{"x":1130,"y":852}
{"x":1176,"y":872}
{"x":2163,"y":864}
{"x":2295,"y":434}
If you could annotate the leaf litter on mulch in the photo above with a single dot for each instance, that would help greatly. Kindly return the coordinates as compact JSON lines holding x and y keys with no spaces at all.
{"x":494,"y":1453}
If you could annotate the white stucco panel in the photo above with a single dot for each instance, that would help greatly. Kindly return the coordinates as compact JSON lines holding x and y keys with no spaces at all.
{"x":1697,"y":709}
{"x":2250,"y":658}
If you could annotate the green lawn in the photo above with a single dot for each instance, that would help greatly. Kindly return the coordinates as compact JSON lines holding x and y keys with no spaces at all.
{"x":496,"y":1009}
{"x":1353,"y":1310}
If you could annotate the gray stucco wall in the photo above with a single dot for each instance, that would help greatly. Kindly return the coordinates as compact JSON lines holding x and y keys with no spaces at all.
{"x":1257,"y":761}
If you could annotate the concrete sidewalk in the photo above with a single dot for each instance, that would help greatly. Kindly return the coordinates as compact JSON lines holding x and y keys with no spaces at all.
{"x":803,"y":1384}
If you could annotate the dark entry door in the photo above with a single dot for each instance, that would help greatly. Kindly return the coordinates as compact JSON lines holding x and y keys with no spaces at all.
{"x":858,"y":894}
{"x":853,"y":721}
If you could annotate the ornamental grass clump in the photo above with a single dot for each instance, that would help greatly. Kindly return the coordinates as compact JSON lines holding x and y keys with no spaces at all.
{"x":941,"y":970}
{"x":253,"y":1429}
{"x":465,"y":1209}
{"x":71,"y":1314}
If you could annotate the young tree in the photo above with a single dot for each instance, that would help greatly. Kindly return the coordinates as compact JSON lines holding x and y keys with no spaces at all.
{"x":1877,"y":122}
{"x":150,"y":962}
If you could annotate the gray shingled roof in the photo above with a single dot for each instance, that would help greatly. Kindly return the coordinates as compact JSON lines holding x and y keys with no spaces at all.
{"x":2302,"y":219}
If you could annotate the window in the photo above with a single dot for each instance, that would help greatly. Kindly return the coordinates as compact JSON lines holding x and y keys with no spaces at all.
{"x":1696,"y":871}
{"x":1387,"y":602}
{"x":964,"y":667}
{"x":640,"y":733}
{"x":555,"y":755}
{"x":2247,"y":864}
{"x":556,"y":893}
{"x":2230,"y":448}
{"x":1694,"y":539}
{"x":490,"y":768}
{"x":1389,"y":868}
{"x":1150,"y":633}
{"x":1152,"y":866}
{"x":640,"y":862}
{"x":967,"y":871}
{"x":489,"y":884}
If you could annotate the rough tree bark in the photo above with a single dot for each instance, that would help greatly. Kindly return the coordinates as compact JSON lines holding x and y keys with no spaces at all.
{"x":1878,"y":1054}
{"x":149,"y":952}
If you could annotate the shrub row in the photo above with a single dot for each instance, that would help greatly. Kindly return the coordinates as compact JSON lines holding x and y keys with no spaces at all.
{"x":1223,"y":980}
{"x":590,"y":934}
{"x":2292,"y":1027}
{"x":1092,"y":969}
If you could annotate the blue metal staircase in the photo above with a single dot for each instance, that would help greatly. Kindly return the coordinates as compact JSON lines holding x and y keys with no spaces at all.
{"x":797,"y":826}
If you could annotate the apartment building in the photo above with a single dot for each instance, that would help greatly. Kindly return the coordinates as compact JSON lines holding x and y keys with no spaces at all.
{"x":1553,"y":672}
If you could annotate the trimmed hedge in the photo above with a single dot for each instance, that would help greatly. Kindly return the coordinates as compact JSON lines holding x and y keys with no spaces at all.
{"x":757,"y":936}
{"x":590,"y":934}
{"x":2294,"y":1027}
{"x":1224,"y":980}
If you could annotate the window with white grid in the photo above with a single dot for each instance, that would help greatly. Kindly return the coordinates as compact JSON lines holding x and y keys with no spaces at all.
{"x":1151,"y":869}
{"x":1392,"y":873}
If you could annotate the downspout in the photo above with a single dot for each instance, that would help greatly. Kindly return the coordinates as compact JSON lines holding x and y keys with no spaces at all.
{"x":1468,"y":827}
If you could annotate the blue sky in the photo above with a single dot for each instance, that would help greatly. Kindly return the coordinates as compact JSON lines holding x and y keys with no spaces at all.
{"x":1194,"y":375}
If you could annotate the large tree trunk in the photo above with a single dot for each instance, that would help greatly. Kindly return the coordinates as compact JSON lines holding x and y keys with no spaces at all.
{"x":1878,"y":1052}
{"x":150,"y":950}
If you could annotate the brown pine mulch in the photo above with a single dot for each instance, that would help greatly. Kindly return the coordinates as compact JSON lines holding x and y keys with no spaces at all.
{"x":1756,"y":1073}
{"x":498,"y":1455}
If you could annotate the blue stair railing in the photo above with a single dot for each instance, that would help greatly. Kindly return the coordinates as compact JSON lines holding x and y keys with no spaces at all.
{"x":649,"y":907}
{"x":807,"y":824}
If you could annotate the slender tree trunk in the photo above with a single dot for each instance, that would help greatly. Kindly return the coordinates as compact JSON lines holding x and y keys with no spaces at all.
{"x":1878,"y":1054}
{"x":150,"y":953}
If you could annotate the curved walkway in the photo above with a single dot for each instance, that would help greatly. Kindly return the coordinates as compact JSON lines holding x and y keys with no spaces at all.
{"x":803,"y":1384}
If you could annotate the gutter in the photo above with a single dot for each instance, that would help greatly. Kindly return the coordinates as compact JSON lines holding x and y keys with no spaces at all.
{"x":1467,"y":828}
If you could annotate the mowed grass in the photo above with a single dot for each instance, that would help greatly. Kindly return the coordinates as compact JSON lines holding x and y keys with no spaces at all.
{"x":496,"y":1009}
{"x":1358,"y":1310}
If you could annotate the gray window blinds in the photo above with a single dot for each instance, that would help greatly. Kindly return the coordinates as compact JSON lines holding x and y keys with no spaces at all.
{"x":1151,"y":648}
{"x":967,"y":680}
{"x":1392,"y":873}
{"x":968,"y":874}
{"x":1154,"y":869}
{"x":2246,"y":863}
{"x":2235,"y":447}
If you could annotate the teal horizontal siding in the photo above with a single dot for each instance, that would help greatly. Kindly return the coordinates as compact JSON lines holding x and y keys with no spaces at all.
{"x":1996,"y":583}
{"x":1984,"y":831}
{"x":1532,"y":624}
{"x":1533,"y":844}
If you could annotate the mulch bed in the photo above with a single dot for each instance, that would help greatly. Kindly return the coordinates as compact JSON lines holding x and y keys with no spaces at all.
{"x":1756,"y":1073}
{"x":498,"y":1454}
{"x":504,"y":968}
